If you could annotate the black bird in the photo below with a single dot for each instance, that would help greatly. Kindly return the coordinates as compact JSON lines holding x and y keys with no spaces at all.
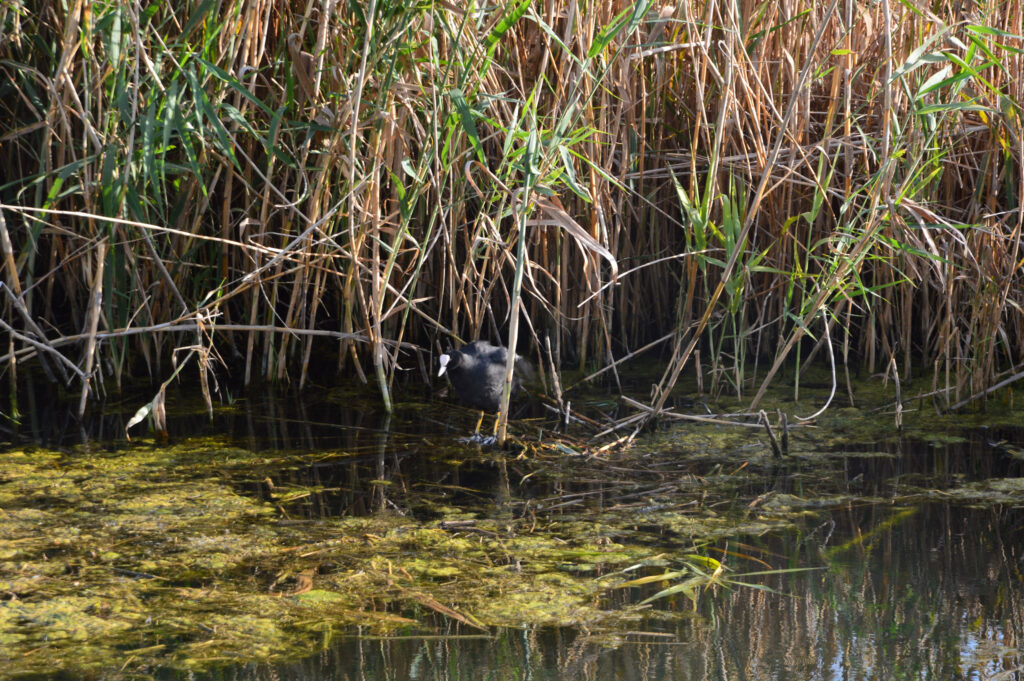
{"x":477,"y":371}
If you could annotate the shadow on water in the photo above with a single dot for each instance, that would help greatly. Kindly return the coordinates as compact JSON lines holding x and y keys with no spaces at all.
{"x":912,"y":585}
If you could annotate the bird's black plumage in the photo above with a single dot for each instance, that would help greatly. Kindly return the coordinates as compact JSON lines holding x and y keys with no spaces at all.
{"x":477,"y":371}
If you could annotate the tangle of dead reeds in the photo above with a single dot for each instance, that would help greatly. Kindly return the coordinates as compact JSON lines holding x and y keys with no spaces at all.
{"x":265,"y":179}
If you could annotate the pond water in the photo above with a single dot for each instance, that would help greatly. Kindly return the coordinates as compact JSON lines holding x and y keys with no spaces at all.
{"x":932,"y":593}
{"x":903,"y":559}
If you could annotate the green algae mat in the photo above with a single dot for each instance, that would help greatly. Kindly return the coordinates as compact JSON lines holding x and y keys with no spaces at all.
{"x":154,"y":553}
{"x":200,"y":553}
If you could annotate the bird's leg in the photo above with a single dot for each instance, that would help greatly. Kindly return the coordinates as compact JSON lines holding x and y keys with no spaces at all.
{"x":479,"y":422}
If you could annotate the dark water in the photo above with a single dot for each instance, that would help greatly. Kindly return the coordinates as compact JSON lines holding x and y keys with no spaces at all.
{"x":925,"y":590}
{"x":936,"y":593}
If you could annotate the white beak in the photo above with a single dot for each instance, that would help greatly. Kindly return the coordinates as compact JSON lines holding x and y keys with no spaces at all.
{"x":444,"y":359}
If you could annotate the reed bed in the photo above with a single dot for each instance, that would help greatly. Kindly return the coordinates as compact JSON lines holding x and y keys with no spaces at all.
{"x":731,"y":187}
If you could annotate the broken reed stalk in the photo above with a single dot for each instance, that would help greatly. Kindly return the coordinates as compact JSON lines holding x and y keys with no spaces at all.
{"x":898,"y":411}
{"x":556,"y":383}
{"x":94,"y":312}
{"x":784,"y":427}
{"x":776,"y":450}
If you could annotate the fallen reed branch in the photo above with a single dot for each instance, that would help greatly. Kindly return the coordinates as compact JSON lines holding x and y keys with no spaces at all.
{"x":42,"y":346}
{"x":987,"y":391}
{"x":144,"y":225}
{"x":621,"y":360}
{"x":720,"y":419}
{"x":566,"y":415}
{"x":172,"y":327}
{"x":619,"y":425}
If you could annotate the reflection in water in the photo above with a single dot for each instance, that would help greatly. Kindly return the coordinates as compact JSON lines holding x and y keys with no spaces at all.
{"x":932,"y":593}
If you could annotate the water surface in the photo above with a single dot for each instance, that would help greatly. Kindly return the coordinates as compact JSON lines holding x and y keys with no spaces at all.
{"x":906,"y":555}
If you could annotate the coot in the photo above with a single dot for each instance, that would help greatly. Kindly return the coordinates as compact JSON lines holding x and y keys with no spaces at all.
{"x":477,"y":371}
